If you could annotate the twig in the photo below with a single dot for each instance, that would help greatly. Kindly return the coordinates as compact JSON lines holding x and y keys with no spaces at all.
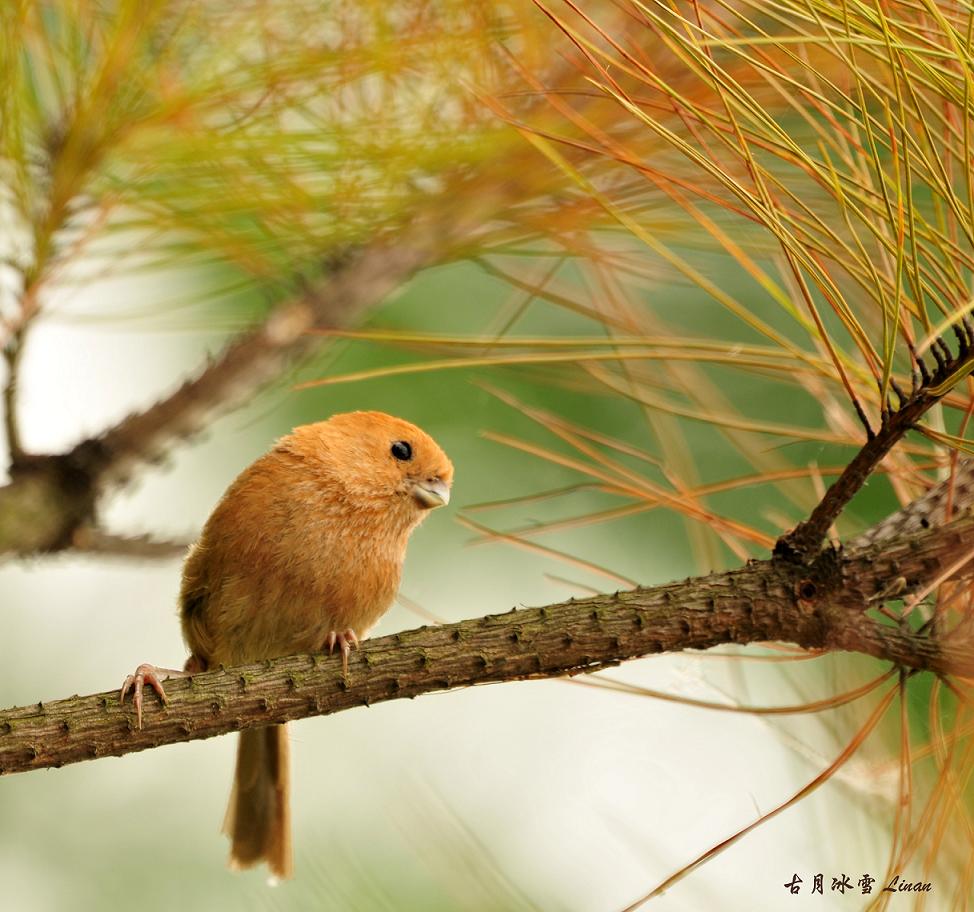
{"x":93,"y":540}
{"x":803,"y":543}
{"x":12,"y":351}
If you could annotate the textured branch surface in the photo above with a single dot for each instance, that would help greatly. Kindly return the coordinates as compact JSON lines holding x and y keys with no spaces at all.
{"x":926,"y":511}
{"x":823,"y":607}
{"x":802,"y":543}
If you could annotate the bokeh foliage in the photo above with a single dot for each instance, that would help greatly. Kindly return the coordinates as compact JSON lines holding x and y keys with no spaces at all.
{"x":711,"y":240}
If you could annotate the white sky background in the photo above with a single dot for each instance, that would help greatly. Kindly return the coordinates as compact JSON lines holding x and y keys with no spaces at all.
{"x":584,"y":800}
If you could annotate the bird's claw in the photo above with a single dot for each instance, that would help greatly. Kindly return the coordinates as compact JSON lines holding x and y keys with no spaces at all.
{"x":144,"y":674}
{"x":345,"y":640}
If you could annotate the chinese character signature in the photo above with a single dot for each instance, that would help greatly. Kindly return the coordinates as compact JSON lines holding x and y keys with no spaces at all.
{"x":842,"y":883}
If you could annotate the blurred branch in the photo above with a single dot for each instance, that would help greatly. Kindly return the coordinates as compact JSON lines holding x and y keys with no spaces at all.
{"x":259,"y":156}
{"x":822,"y":606}
{"x":955,"y":493}
{"x":257,"y":356}
{"x":51,"y":496}
{"x":93,"y":540}
{"x":12,"y":349}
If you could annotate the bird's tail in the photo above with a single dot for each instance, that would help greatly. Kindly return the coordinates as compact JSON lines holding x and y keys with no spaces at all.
{"x":258,"y":819}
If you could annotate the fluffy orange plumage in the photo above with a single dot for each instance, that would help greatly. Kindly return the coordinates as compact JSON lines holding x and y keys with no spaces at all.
{"x":304,"y":550}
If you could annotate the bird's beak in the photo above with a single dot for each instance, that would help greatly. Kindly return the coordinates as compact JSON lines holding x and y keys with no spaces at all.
{"x":431,"y":493}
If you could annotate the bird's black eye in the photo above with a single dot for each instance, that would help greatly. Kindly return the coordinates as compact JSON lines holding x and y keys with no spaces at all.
{"x":402,"y":451}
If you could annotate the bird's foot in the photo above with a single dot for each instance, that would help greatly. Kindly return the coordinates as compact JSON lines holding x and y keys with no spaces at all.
{"x":345,"y":640}
{"x":151,"y":675}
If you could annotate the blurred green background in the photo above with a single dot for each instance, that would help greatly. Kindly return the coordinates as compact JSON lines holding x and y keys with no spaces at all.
{"x":541,"y":795}
{"x":171,"y":171}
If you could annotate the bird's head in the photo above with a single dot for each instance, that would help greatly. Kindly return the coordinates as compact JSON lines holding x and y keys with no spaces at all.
{"x":376,"y":461}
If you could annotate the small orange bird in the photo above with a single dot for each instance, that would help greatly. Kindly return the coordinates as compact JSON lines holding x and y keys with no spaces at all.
{"x":302,"y":553}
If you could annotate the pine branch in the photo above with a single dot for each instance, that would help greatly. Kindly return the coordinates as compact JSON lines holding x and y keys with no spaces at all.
{"x":926,"y":511}
{"x":254,"y":358}
{"x":50,"y":497}
{"x":825,"y":606}
{"x":94,"y":540}
{"x":12,"y":350}
{"x":802,"y":543}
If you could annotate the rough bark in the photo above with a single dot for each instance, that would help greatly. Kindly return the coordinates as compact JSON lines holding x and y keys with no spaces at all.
{"x":955,"y":494}
{"x":802,"y":543}
{"x":825,"y":606}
